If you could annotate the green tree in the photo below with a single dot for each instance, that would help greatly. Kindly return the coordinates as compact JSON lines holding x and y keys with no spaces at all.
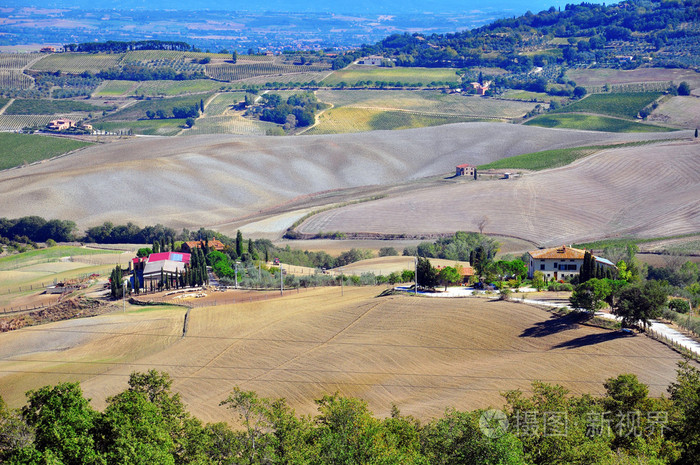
{"x":684,"y":88}
{"x":63,"y":423}
{"x":591,"y":295}
{"x":640,"y":303}
{"x":685,"y":415}
{"x":449,"y":275}
{"x":427,"y":276}
{"x":456,"y":439}
{"x":189,"y":122}
{"x":239,"y":243}
{"x":234,"y":56}
{"x":133,"y":430}
{"x":538,"y":280}
{"x":15,"y":434}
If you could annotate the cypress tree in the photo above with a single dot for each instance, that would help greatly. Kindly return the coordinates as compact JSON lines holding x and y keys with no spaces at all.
{"x":162,"y":278}
{"x":585,"y":273}
{"x":156,"y":246}
{"x":239,"y":243}
{"x":137,"y":284}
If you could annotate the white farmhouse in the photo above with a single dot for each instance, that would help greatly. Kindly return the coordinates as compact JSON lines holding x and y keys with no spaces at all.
{"x":560,"y":262}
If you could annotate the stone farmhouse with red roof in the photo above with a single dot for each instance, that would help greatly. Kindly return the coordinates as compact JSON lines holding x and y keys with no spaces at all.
{"x":560,"y":262}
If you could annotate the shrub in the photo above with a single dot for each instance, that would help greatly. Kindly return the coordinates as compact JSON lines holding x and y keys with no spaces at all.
{"x":679,"y":305}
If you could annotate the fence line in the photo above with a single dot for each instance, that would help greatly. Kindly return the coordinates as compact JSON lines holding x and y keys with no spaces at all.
{"x":26,"y":308}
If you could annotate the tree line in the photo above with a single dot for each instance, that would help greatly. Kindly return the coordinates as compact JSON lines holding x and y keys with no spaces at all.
{"x":144,"y":73}
{"x":148,"y":423}
{"x":114,"y":46}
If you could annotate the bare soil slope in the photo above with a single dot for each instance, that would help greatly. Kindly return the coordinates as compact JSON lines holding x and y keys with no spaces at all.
{"x":649,"y":191}
{"x":207,"y":180}
{"x":422,"y":354}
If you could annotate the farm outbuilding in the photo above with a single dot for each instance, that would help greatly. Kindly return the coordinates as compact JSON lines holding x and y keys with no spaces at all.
{"x":465,"y":170}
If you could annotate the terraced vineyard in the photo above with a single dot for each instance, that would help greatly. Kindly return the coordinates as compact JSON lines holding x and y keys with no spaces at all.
{"x":239,"y":71}
{"x":229,"y":125}
{"x":16,"y":61}
{"x":15,"y":79}
{"x":165,"y":56}
{"x":77,"y":62}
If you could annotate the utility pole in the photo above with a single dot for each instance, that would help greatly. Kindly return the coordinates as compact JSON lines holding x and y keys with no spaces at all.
{"x":124,"y":296}
{"x":236,"y":274}
{"x":415,"y":272}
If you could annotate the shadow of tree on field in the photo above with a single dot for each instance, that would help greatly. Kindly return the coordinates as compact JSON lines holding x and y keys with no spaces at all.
{"x":555,"y":325}
{"x":590,"y":340}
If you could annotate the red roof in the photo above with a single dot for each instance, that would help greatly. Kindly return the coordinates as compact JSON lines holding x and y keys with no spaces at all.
{"x":174,"y":256}
{"x":465,"y":165}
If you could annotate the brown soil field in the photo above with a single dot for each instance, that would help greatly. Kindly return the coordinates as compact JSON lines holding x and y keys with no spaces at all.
{"x":208,"y":180}
{"x":678,"y":111}
{"x":648,"y":191}
{"x":422,"y":354}
{"x":599,"y":77}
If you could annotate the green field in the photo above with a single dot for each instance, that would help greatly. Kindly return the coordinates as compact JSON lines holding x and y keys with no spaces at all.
{"x":223,"y":102}
{"x":114,"y":88}
{"x":551,"y":158}
{"x":148,"y":127}
{"x":48,"y":107}
{"x":623,"y":105}
{"x":3,"y":101}
{"x":172,"y":88}
{"x":348,"y":119}
{"x":416,"y":75}
{"x":33,"y":257}
{"x":593,"y":123}
{"x":18,"y":149}
{"x":138,"y":110}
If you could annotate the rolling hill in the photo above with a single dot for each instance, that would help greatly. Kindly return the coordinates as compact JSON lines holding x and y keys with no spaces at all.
{"x":207,"y":180}
{"x":647,"y":191}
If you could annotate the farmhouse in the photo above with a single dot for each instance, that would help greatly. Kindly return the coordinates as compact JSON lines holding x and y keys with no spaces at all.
{"x":466,"y":271}
{"x":561,"y":262}
{"x":481,"y":89}
{"x":465,"y":169}
{"x":150,"y":268}
{"x":373,"y":60}
{"x":62,"y":124}
{"x":214,"y":244}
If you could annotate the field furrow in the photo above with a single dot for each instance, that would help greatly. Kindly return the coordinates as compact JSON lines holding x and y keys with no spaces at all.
{"x":647,"y":191}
